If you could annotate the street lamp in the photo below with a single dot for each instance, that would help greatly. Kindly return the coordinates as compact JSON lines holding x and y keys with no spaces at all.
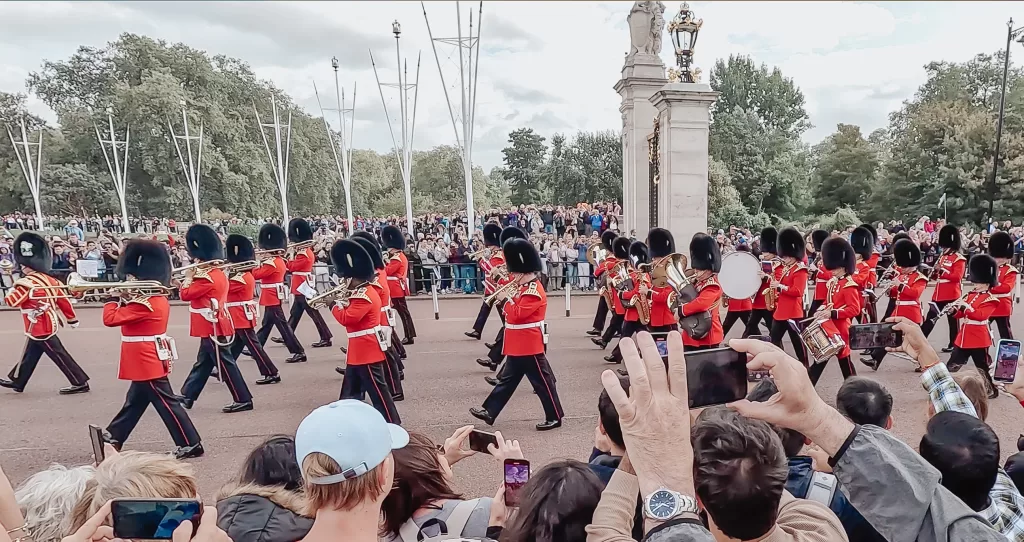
{"x":335,"y":63}
{"x":396,"y":28}
{"x":1011,"y":33}
{"x":684,"y":29}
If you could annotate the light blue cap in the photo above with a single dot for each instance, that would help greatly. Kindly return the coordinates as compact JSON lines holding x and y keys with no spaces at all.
{"x":350,"y":432}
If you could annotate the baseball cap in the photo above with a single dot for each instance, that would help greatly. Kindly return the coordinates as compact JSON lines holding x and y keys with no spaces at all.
{"x":350,"y":432}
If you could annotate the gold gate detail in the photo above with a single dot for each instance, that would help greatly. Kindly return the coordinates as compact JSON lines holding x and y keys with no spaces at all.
{"x":653,"y":158}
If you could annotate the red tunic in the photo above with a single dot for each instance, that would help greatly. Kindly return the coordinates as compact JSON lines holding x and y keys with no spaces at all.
{"x":873,"y":264}
{"x":40,"y":316}
{"x":301,"y":267}
{"x":661,"y":300}
{"x":1003,"y":291}
{"x":907,"y":290}
{"x":862,"y":275}
{"x":738,"y":305}
{"x":361,"y":318}
{"x":270,"y":274}
{"x":143,"y":319}
{"x":632,"y":313}
{"x":844,"y":296}
{"x":397,"y":269}
{"x":974,"y":331}
{"x":241,"y":302}
{"x":709,"y":298}
{"x":790,"y":305}
{"x":758,"y":302}
{"x":821,"y":279}
{"x":605,"y":265}
{"x":207,"y":294}
{"x":486,"y":266}
{"x":378,"y":284}
{"x":951,"y":268}
{"x":524,"y":320}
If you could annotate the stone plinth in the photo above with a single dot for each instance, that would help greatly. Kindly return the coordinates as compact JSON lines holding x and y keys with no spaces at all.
{"x":642,"y":76}
{"x":684,"y":119}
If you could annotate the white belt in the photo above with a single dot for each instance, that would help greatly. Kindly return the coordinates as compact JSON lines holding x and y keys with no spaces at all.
{"x":361,"y":333}
{"x":266,"y":284}
{"x":947,"y":281}
{"x":301,"y":273}
{"x":1009,"y":294}
{"x":207,"y":313}
{"x":239,"y":303}
{"x":142,"y":338}
{"x":525,"y":326}
{"x":821,"y":281}
{"x":907,"y":302}
{"x":394,"y":278}
{"x":968,"y":322}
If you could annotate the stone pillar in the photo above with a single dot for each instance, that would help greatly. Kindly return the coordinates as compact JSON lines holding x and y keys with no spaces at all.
{"x":642,"y":76}
{"x":684,"y":119}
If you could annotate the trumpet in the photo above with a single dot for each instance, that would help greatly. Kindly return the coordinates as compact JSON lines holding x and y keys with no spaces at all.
{"x":239,"y":267}
{"x":81,"y":288}
{"x":505,"y":290}
{"x":479,"y":254}
{"x":178,"y":273}
{"x":301,"y":245}
{"x":263,"y":254}
{"x":339,"y":293}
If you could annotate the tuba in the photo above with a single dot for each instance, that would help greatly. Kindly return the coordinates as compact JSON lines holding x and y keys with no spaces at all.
{"x":596,"y":253}
{"x":671,"y":271}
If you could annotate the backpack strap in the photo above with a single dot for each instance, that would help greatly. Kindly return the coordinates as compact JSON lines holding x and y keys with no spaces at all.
{"x":459,"y":517}
{"x":823,"y":488}
{"x":457,"y":520}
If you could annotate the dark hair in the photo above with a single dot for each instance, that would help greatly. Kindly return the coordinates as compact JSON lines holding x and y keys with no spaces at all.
{"x":966,"y":453}
{"x":556,"y":505}
{"x":610,"y":417}
{"x":739,"y":472}
{"x":419,"y":481}
{"x":864,"y":401}
{"x":273,"y":463}
{"x":792,"y":441}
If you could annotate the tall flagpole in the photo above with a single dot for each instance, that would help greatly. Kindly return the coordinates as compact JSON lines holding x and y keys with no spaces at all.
{"x":118,"y":165}
{"x":32,"y":172}
{"x":191,"y":169}
{"x":282,"y":149}
{"x":346,"y":127}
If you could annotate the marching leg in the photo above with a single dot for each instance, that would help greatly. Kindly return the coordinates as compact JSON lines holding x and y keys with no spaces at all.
{"x":379,"y":392}
{"x":391,"y":375}
{"x":599,"y":317}
{"x":954,"y":328}
{"x":402,"y":308}
{"x":1003,"y":325}
{"x":206,"y":359}
{"x":798,"y":344}
{"x":889,"y":309}
{"x":957,"y":359}
{"x":480,"y":322}
{"x":288,"y":336}
{"x":614,"y":328}
{"x":124,"y":422}
{"x":751,"y":327}
{"x":815,"y":305}
{"x":176,"y":420}
{"x":539,"y":373}
{"x":295,"y":312}
{"x":22,"y":371}
{"x":233,"y":378}
{"x":67,"y":365}
{"x":846,"y":366}
{"x":628,"y":330}
{"x":397,"y":344}
{"x":318,"y":321}
{"x":508,"y":381}
{"x":777,"y":330}
{"x":815,"y":370}
{"x":266,"y":365}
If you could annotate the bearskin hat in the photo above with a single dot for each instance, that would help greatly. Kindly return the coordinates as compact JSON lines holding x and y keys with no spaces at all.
{"x":620,"y":247}
{"x":862,"y":242}
{"x":351,"y":260}
{"x":371,"y":248}
{"x":874,"y":232}
{"x":949,"y":237}
{"x":492,"y":235}
{"x":638,"y":253}
{"x":704,"y":253}
{"x":836,"y":253}
{"x":299,"y":230}
{"x":31,"y":250}
{"x":203,"y":244}
{"x":901,"y":235}
{"x":906,"y":253}
{"x":239,"y":249}
{"x":791,"y":244}
{"x":607,"y":238}
{"x":511,"y":232}
{"x":660,"y":242}
{"x":273,"y":237}
{"x":769,"y":240}
{"x":1000,"y":245}
{"x":521,"y":256}
{"x":817,"y":238}
{"x":392,"y":237}
{"x":982,"y":269}
{"x":144,"y":259}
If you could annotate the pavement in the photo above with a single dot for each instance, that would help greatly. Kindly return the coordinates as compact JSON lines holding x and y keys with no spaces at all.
{"x":39,"y":427}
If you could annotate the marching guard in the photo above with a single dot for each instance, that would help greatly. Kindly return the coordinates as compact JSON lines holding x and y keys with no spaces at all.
{"x":490,"y":259}
{"x":600,"y":270}
{"x":871,"y":257}
{"x":147,"y":352}
{"x":973,"y":312}
{"x":44,"y":307}
{"x":635,"y":298}
{"x":949,"y":273}
{"x":270,"y":274}
{"x":819,"y":275}
{"x":397,"y":268}
{"x":525,"y":308}
{"x":771,"y":271}
{"x":495,"y":350}
{"x":890,"y":306}
{"x":620,"y":251}
{"x":906,"y":290}
{"x":863,"y":247}
{"x":790,"y":286}
{"x":661,"y":244}
{"x":738,"y":309}
{"x":206,"y":289}
{"x":394,"y":368}
{"x":1000,"y":247}
{"x":302,"y":285}
{"x":706,"y":262}
{"x":842,"y":303}
{"x":243,"y":309}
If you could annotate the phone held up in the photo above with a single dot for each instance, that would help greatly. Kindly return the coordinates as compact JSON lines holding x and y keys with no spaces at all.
{"x":1007,"y":356}
{"x":713,"y":377}
{"x":153,"y":519}
{"x":478,"y":441}
{"x":96,"y":437}
{"x":867,"y":336}
{"x":517,"y":473}
{"x":755,"y":376}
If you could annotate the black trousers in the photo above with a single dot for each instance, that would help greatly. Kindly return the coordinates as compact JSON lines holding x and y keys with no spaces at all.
{"x":629,"y":328}
{"x":393,"y":372}
{"x":932,"y":319}
{"x":1003,"y":324}
{"x":246,"y":338}
{"x":782,"y":327}
{"x":538,"y":371}
{"x":363,"y":380}
{"x":981,"y":359}
{"x":481,"y":317}
{"x":602,"y":313}
{"x":756,"y":317}
{"x":845,"y":365}
{"x":731,"y":317}
{"x":54,"y":349}
{"x":300,"y":307}
{"x":396,"y":343}
{"x":402,"y":308}
{"x":158,"y":393}
{"x":890,"y":308}
{"x":495,"y":353}
{"x":614,"y":327}
{"x":211,"y":355}
{"x":273,"y":316}
{"x":657,"y":331}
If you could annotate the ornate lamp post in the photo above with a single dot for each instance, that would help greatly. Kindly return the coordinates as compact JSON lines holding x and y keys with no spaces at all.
{"x":684,"y":29}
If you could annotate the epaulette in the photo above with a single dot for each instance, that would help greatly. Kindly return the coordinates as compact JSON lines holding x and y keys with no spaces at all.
{"x":711,"y":281}
{"x":531,"y":290}
{"x":24,"y":282}
{"x":799,"y":266}
{"x":360,"y":293}
{"x":849,"y":282}
{"x":239,"y":278}
{"x":920,"y":276}
{"x":142,"y":300}
{"x":376,"y":282}
{"x":202,"y":273}
{"x":272,"y":262}
{"x":989,"y":297}
{"x":959,"y":257}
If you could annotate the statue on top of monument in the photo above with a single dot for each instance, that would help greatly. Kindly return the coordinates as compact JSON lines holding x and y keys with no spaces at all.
{"x":646,"y":22}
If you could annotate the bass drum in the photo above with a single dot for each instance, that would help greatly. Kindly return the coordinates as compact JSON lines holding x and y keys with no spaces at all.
{"x":740,"y":276}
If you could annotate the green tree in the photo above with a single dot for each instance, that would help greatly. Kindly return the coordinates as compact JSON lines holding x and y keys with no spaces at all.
{"x":775,"y":100}
{"x":724,"y":206}
{"x":845,"y":165}
{"x":523,"y":160}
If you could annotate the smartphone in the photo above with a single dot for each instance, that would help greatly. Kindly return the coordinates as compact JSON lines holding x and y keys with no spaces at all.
{"x":1007,"y":356}
{"x":153,"y":519}
{"x":864,"y":336}
{"x":478,"y":441}
{"x":755,"y":376}
{"x":766,"y":266}
{"x":716,"y":376}
{"x":96,"y":436}
{"x":662,"y":348}
{"x":517,"y":473}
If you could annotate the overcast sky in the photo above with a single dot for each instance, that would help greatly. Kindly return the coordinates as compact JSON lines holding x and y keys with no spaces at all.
{"x":547,"y":65}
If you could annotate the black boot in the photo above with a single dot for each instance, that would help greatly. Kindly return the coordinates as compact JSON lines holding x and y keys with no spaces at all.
{"x":486,"y":362}
{"x":237,"y":407}
{"x":297,"y":358}
{"x":321,"y":344}
{"x":599,"y":342}
{"x":4,"y":383}
{"x":277,"y":340}
{"x":594,"y":332}
{"x":71,"y":390}
{"x":186,"y":452}
{"x":269,"y":380}
{"x":482,"y":414}
{"x":473,"y":334}
{"x":491,"y":380}
{"x":549,"y":425}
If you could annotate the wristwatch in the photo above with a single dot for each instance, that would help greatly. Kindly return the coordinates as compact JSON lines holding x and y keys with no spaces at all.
{"x":665,"y":504}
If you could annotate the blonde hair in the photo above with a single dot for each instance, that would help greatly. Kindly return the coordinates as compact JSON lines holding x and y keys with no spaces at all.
{"x":135,"y":475}
{"x":974,"y":388}
{"x":344,"y":495}
{"x":47,"y":499}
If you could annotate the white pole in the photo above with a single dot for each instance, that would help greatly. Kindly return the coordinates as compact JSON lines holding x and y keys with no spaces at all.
{"x":283,"y":151}
{"x":191,"y":168}
{"x":346,"y":181}
{"x":118,"y":172}
{"x":337,"y":161}
{"x":433,"y":294}
{"x":32,"y":173}
{"x":568,"y":289}
{"x":192,"y":172}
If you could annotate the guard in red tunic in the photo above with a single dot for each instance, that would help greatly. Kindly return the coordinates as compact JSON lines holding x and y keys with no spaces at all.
{"x":906,"y":291}
{"x":620,"y":251}
{"x":890,"y":307}
{"x":738,"y":309}
{"x":270,"y":275}
{"x":495,"y":350}
{"x":147,"y":352}
{"x":949,"y":273}
{"x":789,"y":309}
{"x":243,"y":309}
{"x":706,"y":262}
{"x":394,"y":368}
{"x":397,"y":268}
{"x":771,"y":271}
{"x":974,"y":340}
{"x":360,"y":313}
{"x":206,"y":290}
{"x":491,"y":258}
{"x":1000,"y":247}
{"x":525,"y":341}
{"x":602,"y":267}
{"x":661,"y":244}
{"x":864,"y":246}
{"x":818,"y":274}
{"x":636,"y":291}
{"x":303,"y":286}
{"x":842,"y":303}
{"x":44,"y":308}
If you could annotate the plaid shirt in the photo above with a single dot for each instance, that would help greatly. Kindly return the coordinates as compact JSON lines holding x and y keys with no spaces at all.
{"x":944,"y":392}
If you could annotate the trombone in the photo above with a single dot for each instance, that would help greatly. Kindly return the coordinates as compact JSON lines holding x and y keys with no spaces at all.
{"x":339,"y":293}
{"x":506,"y":290}
{"x":263,"y":254}
{"x":178,"y":273}
{"x":80,"y":288}
{"x":478,"y":255}
{"x":301,"y":245}
{"x":239,"y":267}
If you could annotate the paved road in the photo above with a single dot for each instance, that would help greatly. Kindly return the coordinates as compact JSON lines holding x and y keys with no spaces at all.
{"x":39,"y":427}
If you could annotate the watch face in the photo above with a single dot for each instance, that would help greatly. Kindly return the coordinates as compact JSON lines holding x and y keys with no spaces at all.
{"x":662,"y":504}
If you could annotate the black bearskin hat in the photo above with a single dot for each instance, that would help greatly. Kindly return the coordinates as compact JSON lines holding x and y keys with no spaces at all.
{"x":660,"y":242}
{"x":901,"y":235}
{"x":620,"y":247}
{"x":299,"y":230}
{"x":365,"y":235}
{"x":982,"y":269}
{"x":949,"y":237}
{"x":492,"y":235}
{"x":511,"y":232}
{"x":704,"y":253}
{"x":638,"y":253}
{"x":351,"y":260}
{"x":144,"y":259}
{"x":1000,"y":245}
{"x":791,"y":244}
{"x":607,"y":238}
{"x":769,"y":240}
{"x":521,"y":256}
{"x":836,"y":253}
{"x":239,"y":249}
{"x":203,"y":244}
{"x":32,"y":251}
{"x":906,"y":253}
{"x":392,"y":237}
{"x":273,"y":237}
{"x":371,"y":248}
{"x":862,"y":242}
{"x":817,"y":238}
{"x":874,"y":232}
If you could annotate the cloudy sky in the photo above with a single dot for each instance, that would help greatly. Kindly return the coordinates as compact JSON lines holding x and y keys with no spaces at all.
{"x":547,"y":65}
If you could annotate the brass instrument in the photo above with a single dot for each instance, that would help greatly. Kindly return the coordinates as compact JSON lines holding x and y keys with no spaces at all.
{"x":596,"y":253}
{"x":264,"y":254}
{"x":640,"y":302}
{"x":505,"y":290}
{"x":78,"y":287}
{"x":339,"y":293}
{"x":478,"y":255}
{"x":178,"y":273}
{"x":499,"y":272}
{"x":6,"y":266}
{"x":239,"y":267}
{"x":820,"y":344}
{"x":295,"y":247}
{"x":771,"y":293}
{"x":618,"y":277}
{"x":886,"y":281}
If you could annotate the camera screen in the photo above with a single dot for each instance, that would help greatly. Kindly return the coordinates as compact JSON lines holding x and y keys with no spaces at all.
{"x":715,"y":377}
{"x":153,"y":519}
